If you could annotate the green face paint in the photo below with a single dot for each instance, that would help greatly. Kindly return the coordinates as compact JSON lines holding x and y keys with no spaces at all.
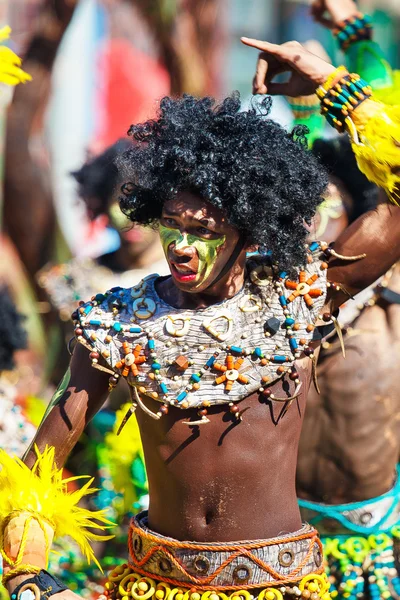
{"x":207,"y":250}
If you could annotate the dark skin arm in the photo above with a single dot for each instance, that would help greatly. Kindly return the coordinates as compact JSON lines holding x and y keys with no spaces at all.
{"x":84,"y":394}
{"x":83,"y":397}
{"x":376,"y":233}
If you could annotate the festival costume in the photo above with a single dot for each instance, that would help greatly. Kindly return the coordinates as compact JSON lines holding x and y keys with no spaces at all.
{"x":217,"y":355}
{"x":359,"y":542}
{"x":242,"y":346}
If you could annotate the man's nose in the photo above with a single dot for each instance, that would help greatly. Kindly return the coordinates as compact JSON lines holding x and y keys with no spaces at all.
{"x":182,"y":246}
{"x":182,"y":250}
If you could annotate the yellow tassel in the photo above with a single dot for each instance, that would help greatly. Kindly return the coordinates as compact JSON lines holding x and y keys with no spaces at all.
{"x":374,"y":129}
{"x":42,"y":492}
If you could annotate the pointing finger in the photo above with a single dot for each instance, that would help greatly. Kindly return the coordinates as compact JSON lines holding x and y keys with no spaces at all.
{"x":264,"y":46}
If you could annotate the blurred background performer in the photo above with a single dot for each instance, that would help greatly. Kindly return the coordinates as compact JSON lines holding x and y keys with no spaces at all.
{"x":346,"y":477}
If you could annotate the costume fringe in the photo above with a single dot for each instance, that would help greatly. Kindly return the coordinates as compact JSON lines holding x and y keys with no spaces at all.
{"x":42,"y":492}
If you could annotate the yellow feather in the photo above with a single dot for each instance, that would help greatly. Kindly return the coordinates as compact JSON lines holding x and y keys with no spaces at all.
{"x":10,"y":63}
{"x":43,"y":491}
{"x":390,"y":95}
{"x":375,"y":132}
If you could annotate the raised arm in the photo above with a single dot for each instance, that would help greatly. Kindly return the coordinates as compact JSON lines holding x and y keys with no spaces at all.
{"x":373,"y":129}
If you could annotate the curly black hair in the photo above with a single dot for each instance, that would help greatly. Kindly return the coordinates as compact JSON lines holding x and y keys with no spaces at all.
{"x":262,"y":177}
{"x":12,"y":334}
{"x":98,"y":179}
{"x":338,"y":158}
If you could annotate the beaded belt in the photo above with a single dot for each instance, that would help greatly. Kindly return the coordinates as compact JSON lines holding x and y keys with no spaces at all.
{"x":161,"y":567}
{"x":376,"y":515}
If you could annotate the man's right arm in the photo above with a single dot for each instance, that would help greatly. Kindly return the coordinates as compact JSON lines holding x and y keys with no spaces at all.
{"x":78,"y":398}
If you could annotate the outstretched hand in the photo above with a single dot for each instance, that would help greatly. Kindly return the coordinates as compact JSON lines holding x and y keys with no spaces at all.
{"x":338,"y":11}
{"x":307,"y":71}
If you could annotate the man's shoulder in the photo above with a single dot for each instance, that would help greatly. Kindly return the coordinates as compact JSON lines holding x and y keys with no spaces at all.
{"x":115,"y":298}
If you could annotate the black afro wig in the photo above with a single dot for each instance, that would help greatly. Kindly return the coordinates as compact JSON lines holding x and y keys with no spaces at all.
{"x":262,"y":177}
{"x":12,"y":334}
{"x":98,"y":179}
{"x":338,"y":158}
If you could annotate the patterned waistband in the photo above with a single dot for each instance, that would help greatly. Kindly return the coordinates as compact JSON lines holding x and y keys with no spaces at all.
{"x":220,"y":566}
{"x":373,"y":516}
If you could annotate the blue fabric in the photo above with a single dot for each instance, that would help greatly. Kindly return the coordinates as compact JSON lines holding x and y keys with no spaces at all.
{"x":335,"y":511}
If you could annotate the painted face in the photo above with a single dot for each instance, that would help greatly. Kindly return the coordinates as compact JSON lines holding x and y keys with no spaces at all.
{"x":197,"y":241}
{"x":207,"y":250}
{"x":331,"y":217}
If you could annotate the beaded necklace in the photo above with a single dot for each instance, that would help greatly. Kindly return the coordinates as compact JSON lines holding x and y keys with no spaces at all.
{"x":217,"y":355}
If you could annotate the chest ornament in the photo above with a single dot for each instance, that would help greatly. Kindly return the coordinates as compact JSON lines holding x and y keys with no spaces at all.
{"x":196,"y":359}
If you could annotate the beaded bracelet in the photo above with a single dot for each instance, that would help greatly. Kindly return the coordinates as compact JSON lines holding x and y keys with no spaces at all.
{"x":352,"y":30}
{"x":304,"y":107}
{"x":339,"y":98}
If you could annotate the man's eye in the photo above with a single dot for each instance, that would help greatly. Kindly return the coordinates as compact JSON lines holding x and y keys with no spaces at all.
{"x":203,"y":230}
{"x":170,"y":222}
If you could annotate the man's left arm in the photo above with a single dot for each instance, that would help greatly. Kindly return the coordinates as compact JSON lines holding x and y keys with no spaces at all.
{"x":376,"y":234}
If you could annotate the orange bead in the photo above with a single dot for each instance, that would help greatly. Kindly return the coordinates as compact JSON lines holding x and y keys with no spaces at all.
{"x":296,"y":327}
{"x":310,"y":328}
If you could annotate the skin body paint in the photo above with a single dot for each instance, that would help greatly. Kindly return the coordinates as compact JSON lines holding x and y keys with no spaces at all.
{"x":207,"y":250}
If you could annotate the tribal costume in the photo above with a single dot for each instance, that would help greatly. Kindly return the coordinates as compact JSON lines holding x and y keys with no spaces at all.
{"x":196,"y":359}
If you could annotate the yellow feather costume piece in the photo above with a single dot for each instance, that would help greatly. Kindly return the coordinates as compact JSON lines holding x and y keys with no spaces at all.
{"x":41,"y":493}
{"x":390,"y":95}
{"x":374,"y":129}
{"x":10,"y":64}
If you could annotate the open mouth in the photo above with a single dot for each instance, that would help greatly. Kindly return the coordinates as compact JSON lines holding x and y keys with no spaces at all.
{"x":182,"y":272}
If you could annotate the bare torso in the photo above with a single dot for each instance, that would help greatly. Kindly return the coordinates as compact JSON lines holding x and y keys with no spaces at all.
{"x":225,"y":480}
{"x":350,"y":441}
